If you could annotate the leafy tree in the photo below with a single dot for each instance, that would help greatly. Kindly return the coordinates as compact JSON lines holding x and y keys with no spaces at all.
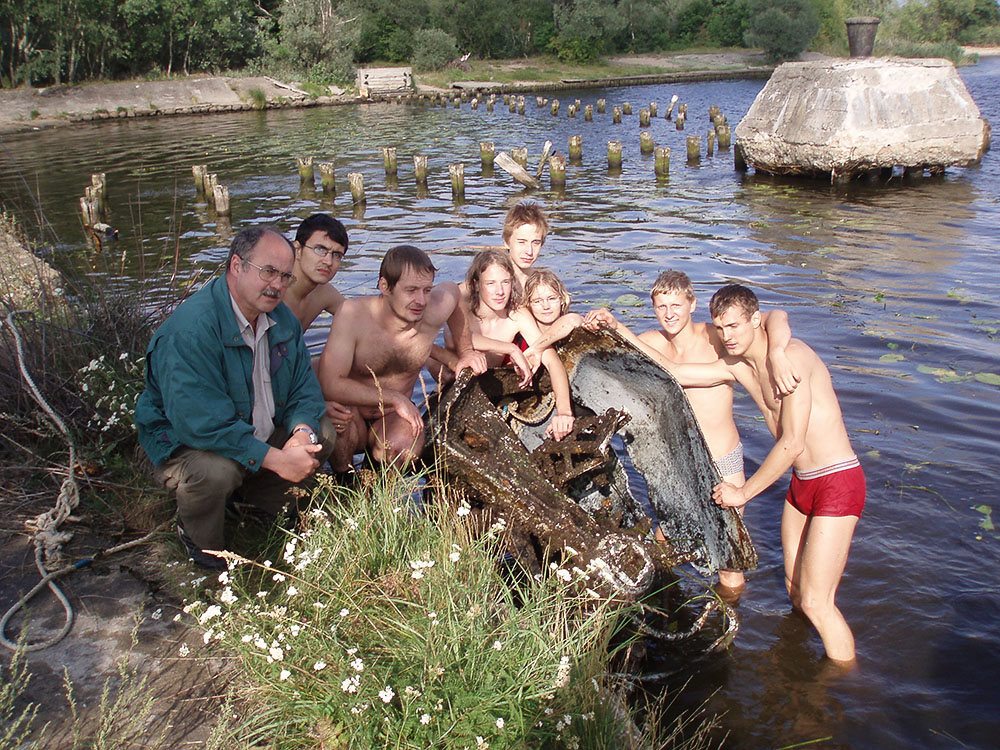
{"x":316,"y":38}
{"x":433,"y":49}
{"x":582,"y":26}
{"x":782,"y":28}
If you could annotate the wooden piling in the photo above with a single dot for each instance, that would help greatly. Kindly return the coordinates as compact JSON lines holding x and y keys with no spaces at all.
{"x":474,"y":104}
{"x":520,"y":107}
{"x":99,"y":183}
{"x":588,"y":113}
{"x":389,"y":159}
{"x":554,"y":107}
{"x":306,"y":174}
{"x":327,"y":178}
{"x":512,"y":104}
{"x":520,"y":155}
{"x":490,"y":104}
{"x":487,"y":153}
{"x":627,"y":108}
{"x":557,"y":171}
{"x":614,"y":154}
{"x":539,"y":102}
{"x":616,"y":115}
{"x":221,"y":193}
{"x":88,"y":211}
{"x":198,"y":171}
{"x":739,"y":158}
{"x":420,"y":168}
{"x":661,"y":161}
{"x":602,"y":106}
{"x":506,"y":98}
{"x":652,"y":109}
{"x":357,"y":181}
{"x":457,"y":101}
{"x":643,"y":118}
{"x":646,"y":142}
{"x":724,"y":134}
{"x":211,"y":180}
{"x":710,"y":142}
{"x":575,"y":147}
{"x":713,"y":112}
{"x":670,"y":109}
{"x":693,"y":148}
{"x":93,"y":194}
{"x":682,"y":109}
{"x":457,"y":174}
{"x":680,"y":121}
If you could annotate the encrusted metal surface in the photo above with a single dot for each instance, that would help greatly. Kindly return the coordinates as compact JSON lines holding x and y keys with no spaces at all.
{"x":572,"y":495}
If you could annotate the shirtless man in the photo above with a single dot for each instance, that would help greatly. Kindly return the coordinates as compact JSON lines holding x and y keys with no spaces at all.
{"x":827,"y":493}
{"x":680,"y":339}
{"x":376,"y":349}
{"x":320,"y":246}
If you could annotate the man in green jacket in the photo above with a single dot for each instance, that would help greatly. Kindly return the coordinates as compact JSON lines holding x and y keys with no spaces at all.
{"x":231,"y":402}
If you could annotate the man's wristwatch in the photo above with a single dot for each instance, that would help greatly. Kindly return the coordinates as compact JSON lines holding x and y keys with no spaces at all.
{"x":312,"y":435}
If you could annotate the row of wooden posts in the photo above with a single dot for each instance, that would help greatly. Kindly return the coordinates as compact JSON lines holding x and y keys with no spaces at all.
{"x":218,"y":195}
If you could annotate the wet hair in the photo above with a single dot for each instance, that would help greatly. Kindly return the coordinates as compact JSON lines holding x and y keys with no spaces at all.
{"x":544,"y":277}
{"x":527,"y":212}
{"x":733,"y":295}
{"x":246,"y":240}
{"x":401,"y":257}
{"x":322,"y":223}
{"x":480,"y":264}
{"x":672,"y":281}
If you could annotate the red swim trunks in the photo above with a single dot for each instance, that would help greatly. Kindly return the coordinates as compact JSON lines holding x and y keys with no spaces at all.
{"x":835,"y":490}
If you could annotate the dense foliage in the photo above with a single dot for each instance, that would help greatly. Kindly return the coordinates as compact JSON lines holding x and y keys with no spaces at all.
{"x":67,"y":41}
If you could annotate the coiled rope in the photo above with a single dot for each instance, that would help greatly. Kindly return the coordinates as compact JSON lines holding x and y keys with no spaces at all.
{"x":48,"y":539}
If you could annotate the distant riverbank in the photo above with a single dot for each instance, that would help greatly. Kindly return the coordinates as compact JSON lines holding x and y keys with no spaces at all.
{"x":27,"y":109}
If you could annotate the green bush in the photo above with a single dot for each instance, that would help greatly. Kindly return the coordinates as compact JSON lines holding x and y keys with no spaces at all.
{"x":783,"y":29}
{"x":433,"y":49}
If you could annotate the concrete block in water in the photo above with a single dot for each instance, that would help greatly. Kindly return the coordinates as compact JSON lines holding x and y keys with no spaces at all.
{"x":852,"y":116}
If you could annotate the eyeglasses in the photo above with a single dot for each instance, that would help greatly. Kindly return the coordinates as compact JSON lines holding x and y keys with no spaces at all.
{"x":270,"y":273}
{"x":553,"y":300}
{"x":322,"y":252}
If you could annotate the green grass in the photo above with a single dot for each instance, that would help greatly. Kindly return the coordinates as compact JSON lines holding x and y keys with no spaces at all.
{"x":382,"y":626}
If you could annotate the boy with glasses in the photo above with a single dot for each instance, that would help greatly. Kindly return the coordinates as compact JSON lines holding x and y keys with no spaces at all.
{"x":320,"y":246}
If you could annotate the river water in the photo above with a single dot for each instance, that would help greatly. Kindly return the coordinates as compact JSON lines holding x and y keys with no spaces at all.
{"x":894,"y":286}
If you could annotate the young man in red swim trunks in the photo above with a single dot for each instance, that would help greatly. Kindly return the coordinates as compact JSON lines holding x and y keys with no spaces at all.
{"x":827,"y":493}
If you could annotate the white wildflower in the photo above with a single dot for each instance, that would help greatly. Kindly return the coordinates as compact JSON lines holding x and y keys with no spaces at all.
{"x":425,"y":718}
{"x":357,"y":665}
{"x":227,"y":596}
{"x":351,"y":524}
{"x":344,"y":612}
{"x":214,"y":611}
{"x":224,"y":577}
{"x":500,"y":722}
{"x":411,"y":691}
{"x":276,"y":653}
{"x":562,"y":673}
{"x":319,"y":605}
{"x":319,"y":665}
{"x":184,"y":650}
{"x":482,"y":744}
{"x":563,"y":575}
{"x":418,"y":574}
{"x":350,"y":685}
{"x":292,"y":591}
{"x":156,"y":614}
{"x":207,"y":636}
{"x":497,"y":646}
{"x":387,"y":694}
{"x":285,"y":674}
{"x":463,"y":510}
{"x":278,"y":577}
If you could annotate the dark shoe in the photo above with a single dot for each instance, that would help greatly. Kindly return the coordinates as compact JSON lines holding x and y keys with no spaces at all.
{"x":198,"y":556}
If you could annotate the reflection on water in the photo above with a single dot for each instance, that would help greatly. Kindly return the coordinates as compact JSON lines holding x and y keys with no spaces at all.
{"x":895,"y":288}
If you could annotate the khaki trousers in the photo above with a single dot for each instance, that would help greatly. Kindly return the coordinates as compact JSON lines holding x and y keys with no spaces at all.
{"x":202,"y":482}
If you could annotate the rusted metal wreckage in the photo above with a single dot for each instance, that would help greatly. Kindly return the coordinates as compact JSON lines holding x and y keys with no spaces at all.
{"x":572,"y":499}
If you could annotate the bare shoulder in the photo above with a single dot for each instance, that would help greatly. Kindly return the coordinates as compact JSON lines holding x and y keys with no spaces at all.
{"x":328,"y":298}
{"x":802,"y":354}
{"x":444,"y":297}
{"x":654,"y":338}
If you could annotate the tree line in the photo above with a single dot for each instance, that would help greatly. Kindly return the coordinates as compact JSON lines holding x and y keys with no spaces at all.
{"x":46,"y":42}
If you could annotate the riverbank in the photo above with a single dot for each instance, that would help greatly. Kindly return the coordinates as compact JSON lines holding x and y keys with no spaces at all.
{"x":27,"y":109}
